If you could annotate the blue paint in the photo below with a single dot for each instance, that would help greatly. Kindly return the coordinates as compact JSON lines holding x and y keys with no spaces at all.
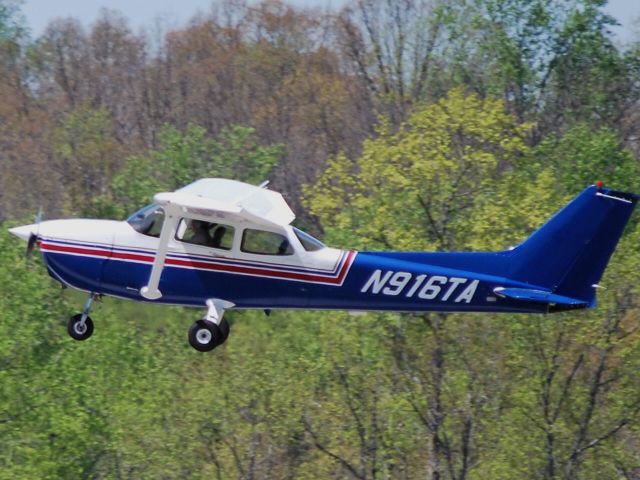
{"x":561,"y":260}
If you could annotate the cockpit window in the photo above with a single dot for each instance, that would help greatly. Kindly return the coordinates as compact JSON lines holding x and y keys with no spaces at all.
{"x":209,"y":234}
{"x":309,"y":243}
{"x":262,"y":242}
{"x":148,"y":220}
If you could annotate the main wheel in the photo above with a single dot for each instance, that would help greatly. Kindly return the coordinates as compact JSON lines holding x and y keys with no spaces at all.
{"x":224,"y":328}
{"x":204,"y":336}
{"x":76,"y":330}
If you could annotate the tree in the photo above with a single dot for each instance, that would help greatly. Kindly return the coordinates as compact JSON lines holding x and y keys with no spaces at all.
{"x":420,"y":110}
{"x":182,"y":158}
{"x":26,"y":177}
{"x":88,"y":154}
{"x":414,"y":190}
{"x":392,"y":48}
{"x":563,"y":379}
{"x":574,"y":391}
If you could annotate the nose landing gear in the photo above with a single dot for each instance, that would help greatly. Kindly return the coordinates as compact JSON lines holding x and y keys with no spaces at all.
{"x":212,"y":330}
{"x":80,"y":326}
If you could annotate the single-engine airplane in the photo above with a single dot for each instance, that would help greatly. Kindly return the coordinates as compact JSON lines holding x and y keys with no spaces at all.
{"x":225,"y":244}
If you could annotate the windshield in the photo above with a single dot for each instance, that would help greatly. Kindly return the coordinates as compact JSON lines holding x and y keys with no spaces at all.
{"x":309,"y":243}
{"x":147,"y":220}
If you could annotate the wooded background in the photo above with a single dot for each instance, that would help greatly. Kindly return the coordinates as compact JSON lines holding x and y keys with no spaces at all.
{"x":405,"y":124}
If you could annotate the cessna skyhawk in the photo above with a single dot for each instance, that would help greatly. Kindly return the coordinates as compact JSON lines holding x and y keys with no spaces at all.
{"x":224,"y":244}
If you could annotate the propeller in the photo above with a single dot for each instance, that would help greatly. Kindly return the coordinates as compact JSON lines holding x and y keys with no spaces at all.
{"x":33,"y":238}
{"x":30,"y":244}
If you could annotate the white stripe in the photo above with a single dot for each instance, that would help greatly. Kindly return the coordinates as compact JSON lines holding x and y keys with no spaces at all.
{"x":613,"y":198}
{"x":190,"y":267}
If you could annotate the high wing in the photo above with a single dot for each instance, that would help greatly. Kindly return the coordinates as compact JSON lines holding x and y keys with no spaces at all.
{"x":237,"y":199}
{"x":216,"y":197}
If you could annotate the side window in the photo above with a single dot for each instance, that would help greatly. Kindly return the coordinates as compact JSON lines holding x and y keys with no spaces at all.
{"x":265,"y":243}
{"x":148,"y":220}
{"x":198,"y":232}
{"x":156,"y":221}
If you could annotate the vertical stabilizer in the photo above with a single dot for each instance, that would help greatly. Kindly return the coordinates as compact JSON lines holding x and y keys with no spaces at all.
{"x":569,"y":253}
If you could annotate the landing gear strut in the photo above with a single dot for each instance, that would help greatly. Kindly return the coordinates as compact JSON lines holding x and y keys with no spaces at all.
{"x":80,"y":326}
{"x":211,"y":331}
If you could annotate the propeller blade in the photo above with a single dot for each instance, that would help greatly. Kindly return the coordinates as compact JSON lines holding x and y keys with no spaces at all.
{"x":30,"y":244}
{"x":33,"y":238}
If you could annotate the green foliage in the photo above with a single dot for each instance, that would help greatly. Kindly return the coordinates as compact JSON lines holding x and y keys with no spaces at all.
{"x":588,"y":65}
{"x":524,"y":394}
{"x":521,"y":44}
{"x":324,"y":395}
{"x":11,"y":22}
{"x":86,"y":150}
{"x":552,"y":61}
{"x":182,"y":158}
{"x":411,"y":189}
{"x":136,"y":401}
{"x":583,"y":155}
{"x":550,"y":175}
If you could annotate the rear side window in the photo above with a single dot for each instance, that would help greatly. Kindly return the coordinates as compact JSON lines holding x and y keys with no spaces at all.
{"x":208,"y":234}
{"x":262,"y":242}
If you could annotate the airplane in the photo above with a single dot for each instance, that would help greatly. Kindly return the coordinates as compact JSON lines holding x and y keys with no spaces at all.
{"x":223,"y":244}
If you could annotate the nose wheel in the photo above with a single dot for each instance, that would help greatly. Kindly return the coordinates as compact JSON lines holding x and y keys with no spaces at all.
{"x":79,"y":329}
{"x":210,"y":332}
{"x":80,"y":326}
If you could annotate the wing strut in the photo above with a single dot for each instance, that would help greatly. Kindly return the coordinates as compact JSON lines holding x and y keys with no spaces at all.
{"x":171,"y":217}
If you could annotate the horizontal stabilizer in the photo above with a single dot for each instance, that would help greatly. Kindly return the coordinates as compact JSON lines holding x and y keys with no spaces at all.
{"x":539,"y":296}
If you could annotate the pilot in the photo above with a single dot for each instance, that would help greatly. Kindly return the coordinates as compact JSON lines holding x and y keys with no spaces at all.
{"x":200,"y":231}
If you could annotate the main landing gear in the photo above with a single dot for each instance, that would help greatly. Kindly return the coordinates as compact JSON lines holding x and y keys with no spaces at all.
{"x":211,"y":331}
{"x":80,"y":326}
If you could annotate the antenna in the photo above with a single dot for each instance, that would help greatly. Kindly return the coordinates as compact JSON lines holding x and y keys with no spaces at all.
{"x":38,"y":217}
{"x":264,"y":184}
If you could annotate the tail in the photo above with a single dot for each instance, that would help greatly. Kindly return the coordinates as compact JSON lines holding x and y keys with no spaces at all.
{"x":568,"y":254}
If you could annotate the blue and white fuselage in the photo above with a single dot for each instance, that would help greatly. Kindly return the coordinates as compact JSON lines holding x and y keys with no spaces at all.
{"x":337,"y":279}
{"x":244,"y":262}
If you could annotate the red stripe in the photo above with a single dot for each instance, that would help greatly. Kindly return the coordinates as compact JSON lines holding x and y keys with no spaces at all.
{"x":269,"y":273}
{"x":208,"y":266}
{"x":92,"y":251}
{"x":346,"y":266}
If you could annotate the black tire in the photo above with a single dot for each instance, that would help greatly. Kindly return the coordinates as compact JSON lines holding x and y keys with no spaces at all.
{"x":204,"y":336}
{"x":224,"y":328}
{"x":73,"y":328}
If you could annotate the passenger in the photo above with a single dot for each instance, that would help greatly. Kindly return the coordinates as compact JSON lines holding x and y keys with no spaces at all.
{"x":200,"y":233}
